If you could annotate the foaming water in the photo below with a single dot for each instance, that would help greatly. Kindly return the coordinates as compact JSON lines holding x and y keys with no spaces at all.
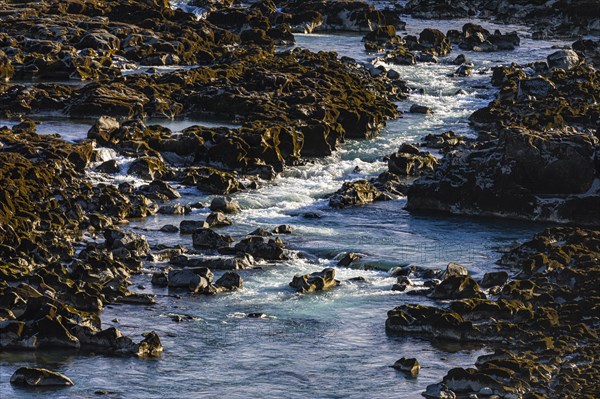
{"x":330,"y":344}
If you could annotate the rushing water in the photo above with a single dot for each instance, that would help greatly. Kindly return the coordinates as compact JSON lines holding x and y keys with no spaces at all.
{"x":330,"y":344}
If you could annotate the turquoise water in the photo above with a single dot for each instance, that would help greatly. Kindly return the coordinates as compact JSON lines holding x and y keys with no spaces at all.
{"x":327,"y":345}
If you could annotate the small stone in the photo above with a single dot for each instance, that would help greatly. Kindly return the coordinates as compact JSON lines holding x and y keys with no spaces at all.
{"x":349,"y":258}
{"x":410,"y":365}
{"x":169,"y":228}
{"x":283,"y":229}
{"x":420,"y":109}
{"x":256,"y":315}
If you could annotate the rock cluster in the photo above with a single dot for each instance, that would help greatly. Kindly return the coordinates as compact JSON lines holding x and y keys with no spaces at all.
{"x":549,"y":18}
{"x":537,"y":152}
{"x":89,"y":40}
{"x":540,"y":320}
{"x":56,"y":289}
{"x":432,"y":43}
{"x":407,"y":50}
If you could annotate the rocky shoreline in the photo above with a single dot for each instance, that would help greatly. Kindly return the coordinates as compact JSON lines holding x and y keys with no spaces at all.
{"x":542,"y":322}
{"x":66,"y":251}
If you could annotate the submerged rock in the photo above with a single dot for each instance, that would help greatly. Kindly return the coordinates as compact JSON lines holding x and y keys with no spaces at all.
{"x":38,"y":377}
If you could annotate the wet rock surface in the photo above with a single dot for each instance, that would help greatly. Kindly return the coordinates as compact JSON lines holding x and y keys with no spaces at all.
{"x":537,"y":320}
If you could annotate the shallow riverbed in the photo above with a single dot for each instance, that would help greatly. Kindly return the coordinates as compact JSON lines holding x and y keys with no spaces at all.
{"x":331,"y":344}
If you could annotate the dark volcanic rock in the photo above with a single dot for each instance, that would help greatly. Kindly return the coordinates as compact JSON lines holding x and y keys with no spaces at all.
{"x":225,"y":205}
{"x":420,"y":109}
{"x":492,"y":279}
{"x":457,"y":287}
{"x":272,"y":249}
{"x":520,"y":174}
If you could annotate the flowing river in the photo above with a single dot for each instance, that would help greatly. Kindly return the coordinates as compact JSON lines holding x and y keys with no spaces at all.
{"x":331,"y":344}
